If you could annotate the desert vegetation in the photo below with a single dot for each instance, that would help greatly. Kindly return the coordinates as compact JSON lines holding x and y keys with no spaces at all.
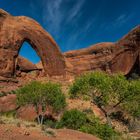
{"x":115,"y":95}
{"x":41,"y":96}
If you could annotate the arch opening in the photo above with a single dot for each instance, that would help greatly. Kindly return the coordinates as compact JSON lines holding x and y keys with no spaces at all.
{"x":27,"y":58}
{"x":28,"y":52}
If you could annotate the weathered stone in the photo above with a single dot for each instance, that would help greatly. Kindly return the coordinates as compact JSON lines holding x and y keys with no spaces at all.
{"x":25,"y":65}
{"x":122,"y":56}
{"x":8,"y":103}
{"x":14,"y":31}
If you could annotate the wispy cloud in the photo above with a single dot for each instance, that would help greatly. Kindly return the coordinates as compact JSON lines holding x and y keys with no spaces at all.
{"x":118,"y":22}
{"x":75,"y":10}
{"x":79,"y":34}
{"x":52,"y":15}
{"x":122,"y":19}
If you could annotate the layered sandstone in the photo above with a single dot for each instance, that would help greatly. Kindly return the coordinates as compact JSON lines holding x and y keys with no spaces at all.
{"x":25,"y":65}
{"x":122,"y":56}
{"x":14,"y":31}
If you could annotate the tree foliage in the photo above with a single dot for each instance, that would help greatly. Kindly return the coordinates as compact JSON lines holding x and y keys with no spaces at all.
{"x":109,"y":90}
{"x":41,"y":94}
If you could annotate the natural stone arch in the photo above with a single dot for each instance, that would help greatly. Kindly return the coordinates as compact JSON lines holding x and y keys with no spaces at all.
{"x":16,"y":30}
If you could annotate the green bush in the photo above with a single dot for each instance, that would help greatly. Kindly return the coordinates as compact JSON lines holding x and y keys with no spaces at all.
{"x":11,"y":113}
{"x":77,"y":120}
{"x":95,"y":127}
{"x":103,"y":131}
{"x":72,"y":119}
{"x":50,"y":123}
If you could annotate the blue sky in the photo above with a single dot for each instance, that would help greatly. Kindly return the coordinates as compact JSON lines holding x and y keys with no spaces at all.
{"x":76,"y":24}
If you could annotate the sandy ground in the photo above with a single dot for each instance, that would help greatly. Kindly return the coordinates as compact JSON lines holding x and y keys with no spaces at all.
{"x":13,"y":132}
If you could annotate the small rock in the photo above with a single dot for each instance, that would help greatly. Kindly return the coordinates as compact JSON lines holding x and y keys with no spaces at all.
{"x":26,"y":133}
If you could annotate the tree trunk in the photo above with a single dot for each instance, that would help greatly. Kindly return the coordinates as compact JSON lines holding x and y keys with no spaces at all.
{"x":42,"y":119}
{"x":38,"y":119}
{"x":37,"y":112}
{"x":108,"y":120}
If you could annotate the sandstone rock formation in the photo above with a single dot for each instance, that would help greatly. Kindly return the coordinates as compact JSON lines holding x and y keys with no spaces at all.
{"x":122,"y":56}
{"x":8,"y":103}
{"x":25,"y":65}
{"x":14,"y":31}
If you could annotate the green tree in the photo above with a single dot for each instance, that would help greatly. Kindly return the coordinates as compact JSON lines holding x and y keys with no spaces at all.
{"x":97,"y":85}
{"x":108,"y":91}
{"x":132,"y":102}
{"x":41,"y":95}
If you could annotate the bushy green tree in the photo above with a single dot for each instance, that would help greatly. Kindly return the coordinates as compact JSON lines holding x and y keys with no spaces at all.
{"x":108,"y":90}
{"x":132,"y":102}
{"x":41,"y":95}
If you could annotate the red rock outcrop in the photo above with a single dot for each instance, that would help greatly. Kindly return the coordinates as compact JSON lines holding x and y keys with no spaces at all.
{"x":122,"y":56}
{"x":14,"y":31}
{"x":8,"y":103}
{"x":25,"y":65}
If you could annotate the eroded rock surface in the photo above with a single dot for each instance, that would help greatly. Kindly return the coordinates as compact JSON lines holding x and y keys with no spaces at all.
{"x":25,"y":65}
{"x":122,"y":56}
{"x":14,"y":31}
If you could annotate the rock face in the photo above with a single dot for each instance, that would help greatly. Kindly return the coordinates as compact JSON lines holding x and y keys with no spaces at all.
{"x":122,"y":56}
{"x":14,"y":31}
{"x":8,"y":103}
{"x":25,"y":65}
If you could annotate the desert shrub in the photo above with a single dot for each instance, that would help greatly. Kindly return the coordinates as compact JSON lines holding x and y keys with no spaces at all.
{"x":95,"y":127}
{"x":72,"y":119}
{"x":50,"y":123}
{"x":11,"y":113}
{"x":41,"y":94}
{"x":77,"y":120}
{"x":103,"y":131}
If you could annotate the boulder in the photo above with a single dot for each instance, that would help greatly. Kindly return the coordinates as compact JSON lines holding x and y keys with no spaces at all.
{"x":8,"y":103}
{"x":25,"y":65}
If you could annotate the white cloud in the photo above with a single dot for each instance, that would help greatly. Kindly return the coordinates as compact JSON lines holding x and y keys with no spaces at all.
{"x":75,"y":10}
{"x":52,"y":15}
{"x":121,"y":20}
